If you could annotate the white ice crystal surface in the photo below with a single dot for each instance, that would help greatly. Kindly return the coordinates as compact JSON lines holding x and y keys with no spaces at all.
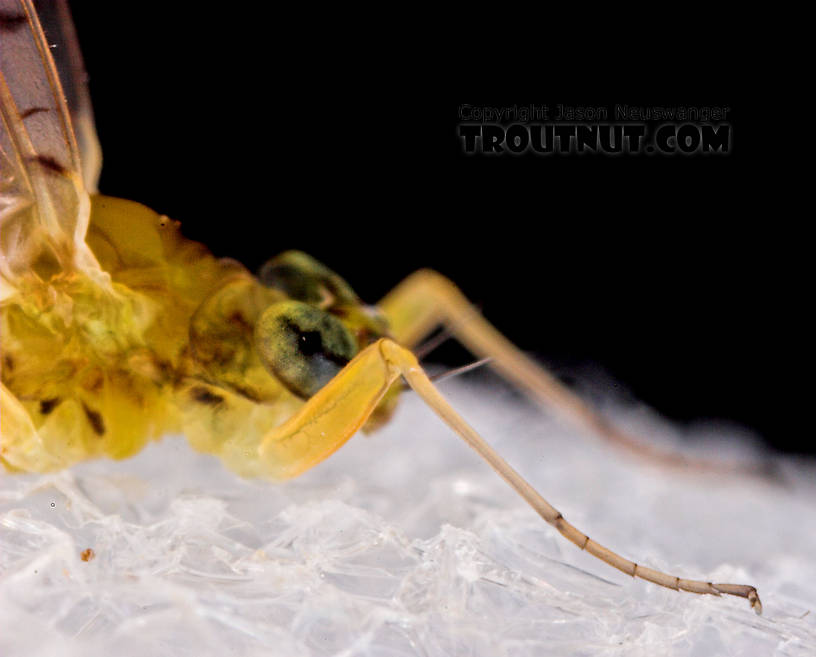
{"x":405,"y":543}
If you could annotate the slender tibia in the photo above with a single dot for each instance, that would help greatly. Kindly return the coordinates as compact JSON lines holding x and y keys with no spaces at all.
{"x":406,"y":364}
{"x":427,"y":299}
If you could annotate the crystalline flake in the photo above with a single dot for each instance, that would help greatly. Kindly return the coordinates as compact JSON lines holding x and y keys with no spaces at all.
{"x":405,"y":543}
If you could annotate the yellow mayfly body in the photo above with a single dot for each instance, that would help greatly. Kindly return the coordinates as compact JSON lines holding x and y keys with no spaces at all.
{"x":116,"y":330}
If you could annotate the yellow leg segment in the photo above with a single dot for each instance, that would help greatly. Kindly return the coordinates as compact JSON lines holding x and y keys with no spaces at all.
{"x":332,"y":416}
{"x":426,"y":299}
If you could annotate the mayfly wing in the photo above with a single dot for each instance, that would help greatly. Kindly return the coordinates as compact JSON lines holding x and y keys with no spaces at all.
{"x":59,"y":29}
{"x":44,"y":206}
{"x":44,"y":218}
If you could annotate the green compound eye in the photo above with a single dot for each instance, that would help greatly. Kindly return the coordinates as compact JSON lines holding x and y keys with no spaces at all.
{"x":303,"y":278}
{"x":302,"y":346}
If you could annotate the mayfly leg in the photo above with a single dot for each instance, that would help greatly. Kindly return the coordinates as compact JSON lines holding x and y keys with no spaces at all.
{"x":419,"y":381}
{"x":340,"y":408}
{"x":426,"y":300}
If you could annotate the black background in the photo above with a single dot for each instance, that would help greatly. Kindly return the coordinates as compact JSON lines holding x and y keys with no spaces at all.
{"x":671,"y":275}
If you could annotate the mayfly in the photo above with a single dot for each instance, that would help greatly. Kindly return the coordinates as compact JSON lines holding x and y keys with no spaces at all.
{"x":117,"y":330}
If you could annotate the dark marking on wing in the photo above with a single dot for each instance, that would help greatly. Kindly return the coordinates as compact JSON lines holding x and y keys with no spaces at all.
{"x":32,"y":110}
{"x":48,"y":405}
{"x":49,"y":163}
{"x":8,"y":362}
{"x":204,"y":396}
{"x":95,"y":420}
{"x":12,"y":22}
